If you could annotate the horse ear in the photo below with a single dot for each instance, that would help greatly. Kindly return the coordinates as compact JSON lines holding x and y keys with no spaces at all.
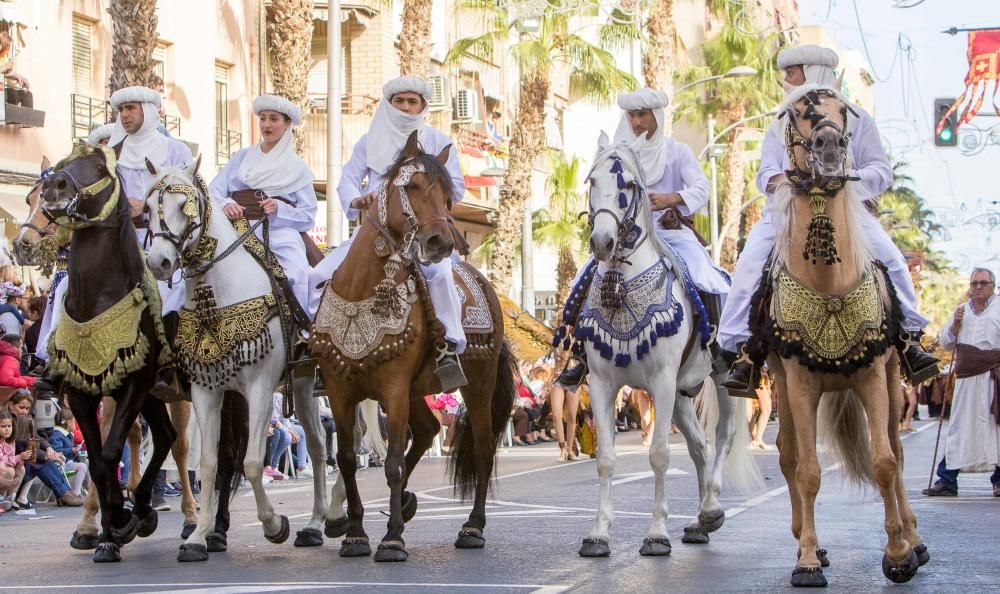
{"x":45,"y":164}
{"x":412,"y":148}
{"x":442,"y":157}
{"x":150,"y":167}
{"x":603,"y":140}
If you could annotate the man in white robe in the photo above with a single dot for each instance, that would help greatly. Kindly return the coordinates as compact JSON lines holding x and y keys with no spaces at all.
{"x":674,"y":180}
{"x":813,"y":64}
{"x":973,"y":443}
{"x":401,"y":112}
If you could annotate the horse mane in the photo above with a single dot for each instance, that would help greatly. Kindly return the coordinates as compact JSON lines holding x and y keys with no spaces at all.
{"x":432,"y":168}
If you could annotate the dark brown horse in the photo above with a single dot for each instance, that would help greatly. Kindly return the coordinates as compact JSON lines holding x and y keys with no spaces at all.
{"x":402,"y":229}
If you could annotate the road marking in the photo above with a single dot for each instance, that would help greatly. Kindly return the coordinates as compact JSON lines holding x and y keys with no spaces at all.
{"x":638,"y":476}
{"x":188,"y":587}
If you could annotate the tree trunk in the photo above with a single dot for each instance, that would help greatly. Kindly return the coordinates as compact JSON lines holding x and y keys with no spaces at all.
{"x":735,"y":188}
{"x":526,"y":143}
{"x":134,"y":23}
{"x":289,"y":35}
{"x":565,"y":271}
{"x":415,"y":38}
{"x":659,"y":58}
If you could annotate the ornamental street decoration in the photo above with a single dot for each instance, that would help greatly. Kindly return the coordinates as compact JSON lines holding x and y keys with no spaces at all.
{"x":984,"y":66}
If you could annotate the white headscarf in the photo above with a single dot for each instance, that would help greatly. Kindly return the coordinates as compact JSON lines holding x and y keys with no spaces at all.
{"x":278,"y":171}
{"x":817,"y":63}
{"x":391,"y":127}
{"x":652,"y":151}
{"x":147,"y":142}
{"x":100,"y":133}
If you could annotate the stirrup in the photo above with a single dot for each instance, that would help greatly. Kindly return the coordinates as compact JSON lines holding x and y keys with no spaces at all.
{"x":928,"y":371}
{"x":449,"y":369}
{"x":748,"y":389}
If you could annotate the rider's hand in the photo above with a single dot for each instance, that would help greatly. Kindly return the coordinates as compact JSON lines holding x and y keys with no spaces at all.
{"x":363,"y":202}
{"x":233,"y":211}
{"x":135,"y":207}
{"x":664,"y":201}
{"x":269,"y":206}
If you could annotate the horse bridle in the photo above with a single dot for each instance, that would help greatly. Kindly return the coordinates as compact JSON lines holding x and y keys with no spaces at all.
{"x":405,"y":246}
{"x":78,"y":220}
{"x":630,"y":234}
{"x":813,"y":179}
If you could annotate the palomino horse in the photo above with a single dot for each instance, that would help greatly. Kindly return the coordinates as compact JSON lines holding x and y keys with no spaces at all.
{"x":830,"y":329}
{"x":231,"y":340}
{"x":109,"y":338}
{"x":642,"y":328}
{"x":39,"y":243}
{"x":375,"y":335}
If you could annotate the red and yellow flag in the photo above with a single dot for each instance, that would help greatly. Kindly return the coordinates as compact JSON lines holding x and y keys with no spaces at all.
{"x":984,"y":66}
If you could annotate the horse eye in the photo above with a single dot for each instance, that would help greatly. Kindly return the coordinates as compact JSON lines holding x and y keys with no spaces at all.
{"x":630,"y":185}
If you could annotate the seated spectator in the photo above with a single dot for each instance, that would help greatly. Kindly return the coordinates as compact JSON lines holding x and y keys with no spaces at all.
{"x":10,"y":363}
{"x":11,"y":466}
{"x":18,"y":90}
{"x":39,"y":460}
{"x":444,"y":407}
{"x":526,"y":411}
{"x":297,"y":433}
{"x":330,"y":428}
{"x":36,"y":313}
{"x":11,"y":318}
{"x":278,"y":440}
{"x":61,"y":441}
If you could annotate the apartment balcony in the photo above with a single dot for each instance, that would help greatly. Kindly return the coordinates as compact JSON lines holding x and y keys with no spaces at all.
{"x":85,"y":113}
{"x":227,"y":142}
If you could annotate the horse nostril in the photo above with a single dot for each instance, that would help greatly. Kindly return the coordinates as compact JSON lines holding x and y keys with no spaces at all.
{"x":165,"y":264}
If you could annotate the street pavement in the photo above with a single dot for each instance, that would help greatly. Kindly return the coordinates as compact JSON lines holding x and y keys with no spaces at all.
{"x":537,"y":515}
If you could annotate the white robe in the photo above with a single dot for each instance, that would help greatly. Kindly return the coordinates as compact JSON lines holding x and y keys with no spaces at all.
{"x":973,"y":434}
{"x":357,"y":180}
{"x":284,"y":227}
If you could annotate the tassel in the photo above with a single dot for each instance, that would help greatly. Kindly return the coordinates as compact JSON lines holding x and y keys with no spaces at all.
{"x":613,"y":289}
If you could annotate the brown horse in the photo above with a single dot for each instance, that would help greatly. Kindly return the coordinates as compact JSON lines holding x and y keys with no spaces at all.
{"x":398,"y":366}
{"x":831,"y":333}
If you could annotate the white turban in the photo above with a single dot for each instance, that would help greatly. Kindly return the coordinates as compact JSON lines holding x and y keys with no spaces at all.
{"x":100,"y":133}
{"x":652,"y":151}
{"x":147,"y":142}
{"x":817,"y":63}
{"x":391,"y":127}
{"x":280,"y":105}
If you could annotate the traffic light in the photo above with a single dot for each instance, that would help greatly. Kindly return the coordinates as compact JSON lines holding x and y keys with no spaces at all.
{"x":945,"y":124}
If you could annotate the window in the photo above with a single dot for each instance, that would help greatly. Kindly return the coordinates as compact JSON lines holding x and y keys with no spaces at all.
{"x":160,"y":61}
{"x":83,"y":56}
{"x":227,"y":141}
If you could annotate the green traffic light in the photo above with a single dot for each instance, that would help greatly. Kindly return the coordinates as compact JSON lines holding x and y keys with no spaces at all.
{"x":946,"y":135}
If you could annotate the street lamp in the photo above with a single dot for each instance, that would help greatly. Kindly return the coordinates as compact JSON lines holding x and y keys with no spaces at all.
{"x":737,"y":72}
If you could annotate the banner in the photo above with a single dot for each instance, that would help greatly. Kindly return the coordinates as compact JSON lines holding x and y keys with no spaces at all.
{"x":984,"y":66}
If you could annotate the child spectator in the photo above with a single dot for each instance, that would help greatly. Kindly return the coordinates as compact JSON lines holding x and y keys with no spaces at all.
{"x":11,"y":467}
{"x":61,"y":441}
{"x":10,"y":362}
{"x":444,"y":407}
{"x":37,"y":455}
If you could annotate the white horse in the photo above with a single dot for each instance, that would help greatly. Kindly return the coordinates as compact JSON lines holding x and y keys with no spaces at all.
{"x":188,"y":228}
{"x":648,"y":339}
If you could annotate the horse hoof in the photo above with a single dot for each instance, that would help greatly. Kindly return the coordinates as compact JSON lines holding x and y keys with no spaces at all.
{"x":84,"y":542}
{"x":187,"y":530}
{"x":923,"y":556}
{"x":470,"y":538}
{"x":336,"y":528}
{"x":900,"y":573}
{"x":308,"y":537}
{"x":216,"y":542}
{"x":595,"y":547}
{"x":189,"y":553}
{"x":409,"y":506}
{"x":108,"y":552}
{"x":824,"y":560}
{"x":695,"y":535}
{"x":355,"y":546}
{"x":710,"y":522}
{"x":655,"y":547}
{"x":127,"y":533}
{"x":282,"y":534}
{"x":808,"y":577}
{"x":392,"y":551}
{"x":148,"y":524}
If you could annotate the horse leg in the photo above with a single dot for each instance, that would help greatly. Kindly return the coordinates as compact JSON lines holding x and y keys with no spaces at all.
{"x":307,"y":411}
{"x":602,"y":399}
{"x":207,"y":413}
{"x":906,"y":514}
{"x":663,"y":393}
{"x":155,"y":412}
{"x":180,"y":416}
{"x":260,"y":398}
{"x":424,"y":426}
{"x":479,"y":407}
{"x":355,"y":543}
{"x":134,"y":440}
{"x":397,"y":409}
{"x":710,"y":514}
{"x":725,"y":435}
{"x":87,"y":534}
{"x":104,"y":479}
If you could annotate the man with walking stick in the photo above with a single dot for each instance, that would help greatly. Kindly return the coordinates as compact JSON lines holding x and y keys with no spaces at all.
{"x":973,"y":443}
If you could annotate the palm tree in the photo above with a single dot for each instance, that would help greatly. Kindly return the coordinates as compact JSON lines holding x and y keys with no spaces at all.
{"x":592,"y":75}
{"x":559,"y":224}
{"x":289,"y":33}
{"x":659,"y":57}
{"x":415,"y":38}
{"x":134,"y":23}
{"x":732,"y":99}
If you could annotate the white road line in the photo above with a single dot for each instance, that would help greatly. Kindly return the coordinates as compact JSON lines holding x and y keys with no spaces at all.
{"x":242,"y":586}
{"x":638,"y":476}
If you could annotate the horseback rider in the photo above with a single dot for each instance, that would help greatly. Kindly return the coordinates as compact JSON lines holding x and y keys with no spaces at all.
{"x":137,"y":110}
{"x":270,"y":179}
{"x":804,"y":65}
{"x":100,"y":135}
{"x":401,"y":112}
{"x":677,"y":189}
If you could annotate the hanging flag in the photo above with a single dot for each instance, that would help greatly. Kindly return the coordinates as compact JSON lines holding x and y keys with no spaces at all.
{"x":984,"y":66}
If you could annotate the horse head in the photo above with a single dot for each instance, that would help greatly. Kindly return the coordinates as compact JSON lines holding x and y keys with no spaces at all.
{"x":618,"y":209}
{"x":817,"y":138}
{"x":36,"y":227}
{"x":177,"y":201}
{"x":84,"y":188}
{"x":414,"y":202}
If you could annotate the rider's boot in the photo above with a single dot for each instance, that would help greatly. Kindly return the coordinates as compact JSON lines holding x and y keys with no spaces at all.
{"x":574,"y":372}
{"x":918,"y":364}
{"x":167,"y":385}
{"x":449,"y":369}
{"x":744,"y":377}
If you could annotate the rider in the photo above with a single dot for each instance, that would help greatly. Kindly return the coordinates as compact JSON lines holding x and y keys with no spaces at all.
{"x":677,"y":189}
{"x":137,"y":110}
{"x":100,"y":135}
{"x":802,"y":65}
{"x":270,"y":178}
{"x":400,"y":113}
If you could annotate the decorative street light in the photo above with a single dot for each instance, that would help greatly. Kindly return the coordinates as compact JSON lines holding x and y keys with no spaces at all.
{"x":737,"y":72}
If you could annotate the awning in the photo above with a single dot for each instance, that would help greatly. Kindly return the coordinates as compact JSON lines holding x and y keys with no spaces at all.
{"x":473,"y":161}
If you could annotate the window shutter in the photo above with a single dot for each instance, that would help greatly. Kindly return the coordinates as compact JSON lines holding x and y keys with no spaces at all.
{"x":82,"y":56}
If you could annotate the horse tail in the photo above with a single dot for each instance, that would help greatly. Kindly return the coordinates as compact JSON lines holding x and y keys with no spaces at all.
{"x":373,"y":433}
{"x":842,"y":427}
{"x":719,"y":416}
{"x":234,"y":435}
{"x":462,"y":464}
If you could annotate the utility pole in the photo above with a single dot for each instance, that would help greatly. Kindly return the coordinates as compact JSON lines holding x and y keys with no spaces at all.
{"x":334,"y":127}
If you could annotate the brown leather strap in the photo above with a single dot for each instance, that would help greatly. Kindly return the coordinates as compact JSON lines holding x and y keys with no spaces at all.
{"x":460,"y":243}
{"x":313,"y":254}
{"x":672,"y":219}
{"x":250,"y":201}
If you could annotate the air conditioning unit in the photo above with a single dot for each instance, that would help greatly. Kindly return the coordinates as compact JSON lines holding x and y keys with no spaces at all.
{"x":439,"y":95}
{"x":467,"y":105}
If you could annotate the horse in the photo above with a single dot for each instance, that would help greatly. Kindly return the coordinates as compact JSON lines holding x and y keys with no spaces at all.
{"x":231,"y":343}
{"x":40,"y":242}
{"x":827,"y":324}
{"x":643,"y":325}
{"x":109,"y":339}
{"x":376,"y":336}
